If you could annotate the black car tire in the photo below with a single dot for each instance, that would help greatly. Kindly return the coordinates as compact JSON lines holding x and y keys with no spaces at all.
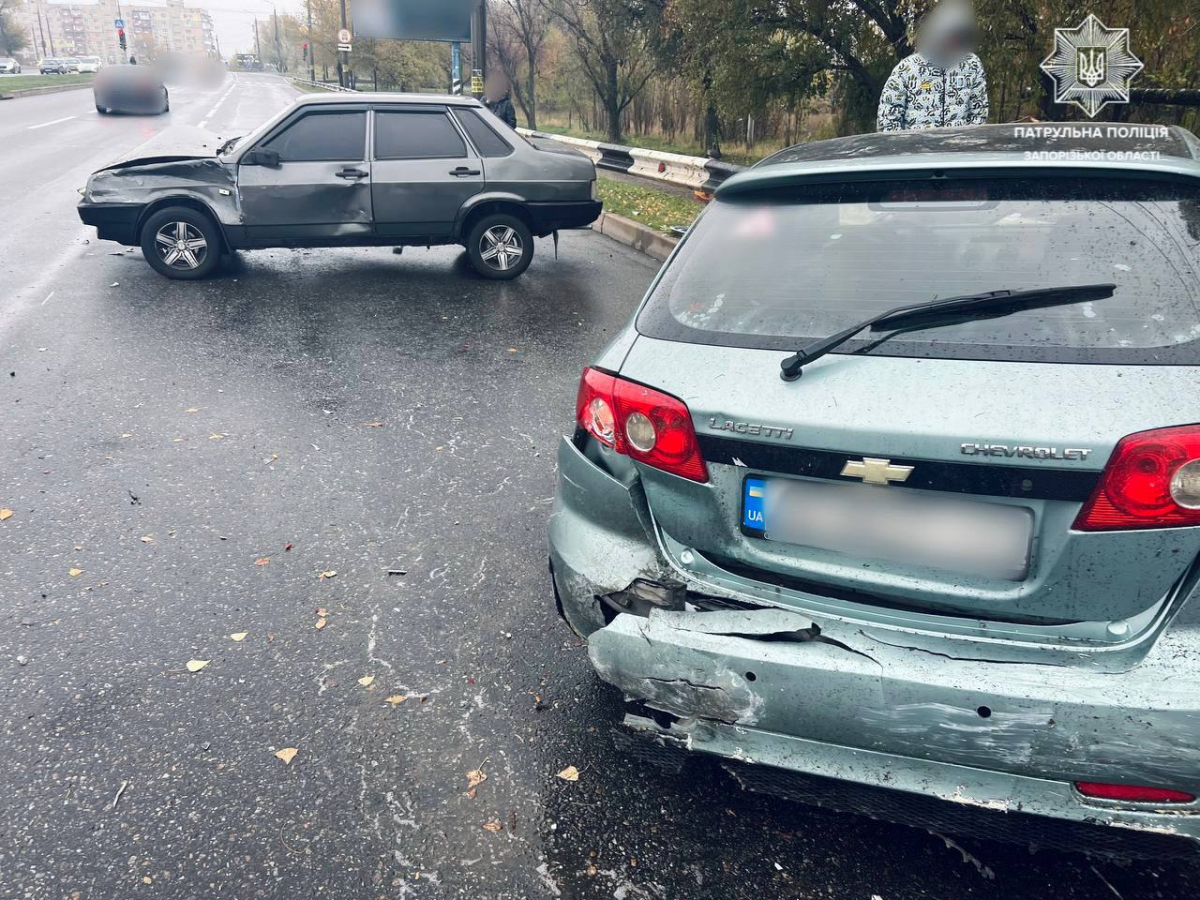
{"x":103,"y":110}
{"x":185,"y":224}
{"x":511,"y":236}
{"x":166,"y":102}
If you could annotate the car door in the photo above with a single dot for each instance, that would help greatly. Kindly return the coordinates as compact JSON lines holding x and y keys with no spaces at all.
{"x":423,"y":171}
{"x":320,"y":191}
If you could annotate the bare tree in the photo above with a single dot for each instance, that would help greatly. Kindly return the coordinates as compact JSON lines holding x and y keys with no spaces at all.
{"x":516,"y":34}
{"x":613,"y":39}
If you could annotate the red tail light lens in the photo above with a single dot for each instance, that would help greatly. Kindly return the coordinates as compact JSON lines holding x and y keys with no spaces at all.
{"x":1132,"y":793}
{"x":644,"y":424}
{"x":1151,"y":481}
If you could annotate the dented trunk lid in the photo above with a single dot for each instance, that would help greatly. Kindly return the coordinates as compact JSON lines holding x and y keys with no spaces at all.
{"x":994,"y":425}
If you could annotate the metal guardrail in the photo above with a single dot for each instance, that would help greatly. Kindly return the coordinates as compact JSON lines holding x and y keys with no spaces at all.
{"x":696,"y":172}
{"x":327,"y":86}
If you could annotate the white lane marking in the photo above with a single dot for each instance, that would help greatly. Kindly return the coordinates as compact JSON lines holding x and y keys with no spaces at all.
{"x":55,"y":122}
{"x":48,"y":296}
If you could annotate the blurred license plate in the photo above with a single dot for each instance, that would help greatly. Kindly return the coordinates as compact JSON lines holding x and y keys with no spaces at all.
{"x":875,"y":523}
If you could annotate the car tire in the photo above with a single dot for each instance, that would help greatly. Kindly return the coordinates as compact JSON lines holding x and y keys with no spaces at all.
{"x":165,"y":231}
{"x":166,"y":102}
{"x":103,"y":110}
{"x":500,"y":246}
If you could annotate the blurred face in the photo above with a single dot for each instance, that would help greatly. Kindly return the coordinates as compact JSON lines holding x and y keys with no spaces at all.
{"x":947,"y":34}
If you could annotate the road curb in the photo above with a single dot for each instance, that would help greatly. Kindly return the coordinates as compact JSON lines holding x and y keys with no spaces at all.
{"x":47,"y":89}
{"x":635,"y":234}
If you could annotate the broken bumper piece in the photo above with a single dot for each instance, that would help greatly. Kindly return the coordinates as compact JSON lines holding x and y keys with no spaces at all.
{"x":950,"y":745}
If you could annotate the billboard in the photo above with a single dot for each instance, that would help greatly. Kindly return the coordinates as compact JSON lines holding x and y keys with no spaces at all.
{"x":414,"y":20}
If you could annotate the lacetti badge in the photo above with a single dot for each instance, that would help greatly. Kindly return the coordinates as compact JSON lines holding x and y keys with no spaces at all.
{"x":1025,"y":452}
{"x":783,"y":434}
{"x":1091,"y":65}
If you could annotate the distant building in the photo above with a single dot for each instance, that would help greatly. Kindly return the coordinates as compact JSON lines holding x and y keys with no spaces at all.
{"x":87,"y":29}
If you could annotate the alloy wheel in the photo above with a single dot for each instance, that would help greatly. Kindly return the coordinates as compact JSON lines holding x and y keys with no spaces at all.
{"x":181,"y":246}
{"x":500,"y":247}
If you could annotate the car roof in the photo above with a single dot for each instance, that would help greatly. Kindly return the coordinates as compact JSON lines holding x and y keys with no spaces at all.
{"x":383,"y":97}
{"x":1161,"y":149}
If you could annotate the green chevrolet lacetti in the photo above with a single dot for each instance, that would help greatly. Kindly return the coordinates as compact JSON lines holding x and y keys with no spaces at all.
{"x":889,"y":495}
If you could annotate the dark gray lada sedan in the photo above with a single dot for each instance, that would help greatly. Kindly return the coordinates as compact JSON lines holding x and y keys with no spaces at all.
{"x":350,"y":170}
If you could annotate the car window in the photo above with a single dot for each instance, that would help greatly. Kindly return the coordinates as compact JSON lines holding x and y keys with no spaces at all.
{"x":323,"y":137}
{"x":777,"y":272}
{"x":417,"y":135}
{"x":486,"y":141}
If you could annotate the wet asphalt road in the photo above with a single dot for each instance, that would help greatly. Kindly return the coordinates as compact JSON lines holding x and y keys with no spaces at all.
{"x":184,"y":461}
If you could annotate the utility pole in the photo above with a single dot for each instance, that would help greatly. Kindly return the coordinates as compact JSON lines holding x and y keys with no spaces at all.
{"x":257,"y":52}
{"x":278,"y":46}
{"x":478,"y":48}
{"x":312,"y":67}
{"x":456,"y":86}
{"x":343,"y":56}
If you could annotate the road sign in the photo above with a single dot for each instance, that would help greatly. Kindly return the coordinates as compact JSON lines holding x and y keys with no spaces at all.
{"x":344,"y":36}
{"x":344,"y":48}
{"x":118,"y":23}
{"x":476,"y":82}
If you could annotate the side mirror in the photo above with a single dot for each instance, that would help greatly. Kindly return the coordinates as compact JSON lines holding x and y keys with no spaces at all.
{"x":261,"y":156}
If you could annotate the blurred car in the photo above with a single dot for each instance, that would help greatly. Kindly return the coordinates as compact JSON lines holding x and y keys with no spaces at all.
{"x":949,"y":577}
{"x":9,"y":66}
{"x":90,"y":64}
{"x":130,"y":89}
{"x":72,"y":64}
{"x":435,"y":170}
{"x":53,"y":66}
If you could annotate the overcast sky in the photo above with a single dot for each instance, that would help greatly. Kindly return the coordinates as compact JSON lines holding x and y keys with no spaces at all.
{"x":234,"y":19}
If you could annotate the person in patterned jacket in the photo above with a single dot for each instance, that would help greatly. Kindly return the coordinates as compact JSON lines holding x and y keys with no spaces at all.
{"x":941,"y":85}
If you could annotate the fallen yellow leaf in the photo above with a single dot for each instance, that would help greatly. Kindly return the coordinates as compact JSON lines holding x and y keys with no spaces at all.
{"x":147,"y":539}
{"x":476,"y":777}
{"x":366,"y":680}
{"x":195,"y":665}
{"x":372,"y":424}
{"x":395,"y":699}
{"x":320,"y":623}
{"x":493,"y":825}
{"x":287,"y":754}
{"x":146,"y":879}
{"x":194,"y":409}
{"x":5,"y":514}
{"x":239,"y":636}
{"x":570,"y":773}
{"x":75,"y":573}
{"x":331,"y":573}
{"x":263,"y":561}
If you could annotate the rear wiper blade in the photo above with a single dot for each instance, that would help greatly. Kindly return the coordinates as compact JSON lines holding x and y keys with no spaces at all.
{"x":991,"y":304}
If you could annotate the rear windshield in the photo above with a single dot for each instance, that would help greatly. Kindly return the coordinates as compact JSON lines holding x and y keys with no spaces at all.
{"x":776,"y":272}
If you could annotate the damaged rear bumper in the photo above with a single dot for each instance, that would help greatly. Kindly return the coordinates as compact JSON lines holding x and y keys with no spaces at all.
{"x":796,"y":708}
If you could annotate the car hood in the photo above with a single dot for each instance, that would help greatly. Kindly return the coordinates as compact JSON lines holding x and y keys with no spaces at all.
{"x":180,"y":143}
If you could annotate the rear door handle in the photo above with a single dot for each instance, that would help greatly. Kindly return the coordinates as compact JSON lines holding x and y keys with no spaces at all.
{"x":463,"y":171}
{"x":351,"y":173}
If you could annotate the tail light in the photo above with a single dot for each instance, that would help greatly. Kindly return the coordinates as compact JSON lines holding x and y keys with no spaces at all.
{"x":644,"y":424}
{"x":1132,"y":793}
{"x":1151,"y":481}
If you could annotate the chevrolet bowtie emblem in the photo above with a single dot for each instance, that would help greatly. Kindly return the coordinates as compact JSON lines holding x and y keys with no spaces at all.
{"x":876,"y":471}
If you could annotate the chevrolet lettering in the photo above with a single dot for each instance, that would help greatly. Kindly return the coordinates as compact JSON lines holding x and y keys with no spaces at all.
{"x":1025,"y":452}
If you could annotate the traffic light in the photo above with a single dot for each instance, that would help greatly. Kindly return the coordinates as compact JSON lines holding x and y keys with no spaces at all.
{"x":306,"y":52}
{"x":121,"y":37}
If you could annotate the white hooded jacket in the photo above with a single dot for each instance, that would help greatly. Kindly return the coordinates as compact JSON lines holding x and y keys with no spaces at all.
{"x":920,"y":94}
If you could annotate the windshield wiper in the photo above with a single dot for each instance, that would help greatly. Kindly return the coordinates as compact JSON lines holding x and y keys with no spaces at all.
{"x":228,"y":145}
{"x":991,"y":304}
